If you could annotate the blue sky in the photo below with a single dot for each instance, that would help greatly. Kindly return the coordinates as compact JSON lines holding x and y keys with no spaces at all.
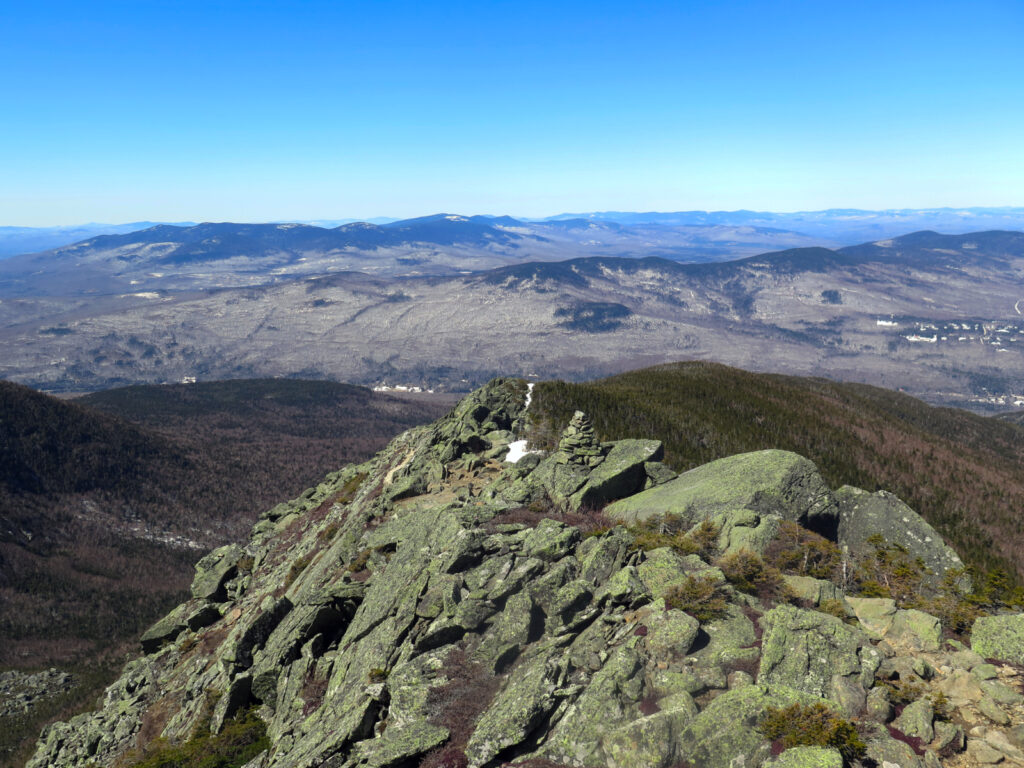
{"x":252,"y":111}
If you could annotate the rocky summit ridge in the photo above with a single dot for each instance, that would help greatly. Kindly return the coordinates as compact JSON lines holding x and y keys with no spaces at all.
{"x":439,"y":606}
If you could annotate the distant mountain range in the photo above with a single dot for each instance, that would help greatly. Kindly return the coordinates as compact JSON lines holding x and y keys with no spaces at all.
{"x":167,"y":257}
{"x":937,"y":315}
{"x":682,"y":235}
{"x":845,"y":226}
{"x":16,"y":240}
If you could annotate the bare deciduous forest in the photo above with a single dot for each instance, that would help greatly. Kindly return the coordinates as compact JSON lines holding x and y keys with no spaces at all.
{"x":107,"y":501}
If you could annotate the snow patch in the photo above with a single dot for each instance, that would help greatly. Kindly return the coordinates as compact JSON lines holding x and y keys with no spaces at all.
{"x":516,"y":451}
{"x":517,"y":448}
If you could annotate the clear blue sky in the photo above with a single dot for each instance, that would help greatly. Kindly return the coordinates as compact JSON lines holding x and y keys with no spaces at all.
{"x":297,"y":110}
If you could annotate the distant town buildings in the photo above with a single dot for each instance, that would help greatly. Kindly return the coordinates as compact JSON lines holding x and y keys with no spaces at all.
{"x":401,"y":388}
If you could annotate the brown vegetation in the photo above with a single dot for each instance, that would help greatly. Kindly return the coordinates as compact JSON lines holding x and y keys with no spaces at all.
{"x":812,"y":726}
{"x":457,"y":704}
{"x":590,"y":523}
{"x":700,"y":596}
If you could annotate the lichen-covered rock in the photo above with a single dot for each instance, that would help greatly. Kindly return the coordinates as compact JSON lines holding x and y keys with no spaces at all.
{"x":915,"y":630}
{"x":22,"y":693}
{"x":652,"y":741}
{"x":906,"y":630}
{"x":165,"y":630}
{"x":916,"y":720}
{"x":988,"y":707}
{"x":399,"y":744}
{"x":816,"y":653}
{"x":110,"y":729}
{"x":213,"y":570}
{"x":558,"y":480}
{"x":663,"y":568}
{"x":725,"y":734}
{"x":874,"y":614}
{"x":745,"y":529}
{"x":624,"y":588}
{"x":814,"y":591}
{"x":884,"y":750}
{"x":807,"y":757}
{"x":961,"y":688}
{"x":601,"y":556}
{"x":530,"y":694}
{"x":551,"y":540}
{"x":728,"y":640}
{"x":999,"y":637}
{"x":863,"y":515}
{"x":578,"y":444}
{"x":948,"y":736}
{"x":878,"y":706}
{"x":509,"y":633}
{"x":658,"y":474}
{"x":1001,"y":693}
{"x":622,"y":473}
{"x":609,"y":700}
{"x":669,"y":634}
{"x":980,"y":752}
{"x":768,"y":482}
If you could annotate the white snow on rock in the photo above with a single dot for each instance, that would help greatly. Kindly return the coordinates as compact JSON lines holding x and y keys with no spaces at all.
{"x":517,"y":448}
{"x":516,"y":451}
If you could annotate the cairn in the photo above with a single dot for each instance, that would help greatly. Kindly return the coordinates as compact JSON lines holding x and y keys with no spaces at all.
{"x":578,"y":444}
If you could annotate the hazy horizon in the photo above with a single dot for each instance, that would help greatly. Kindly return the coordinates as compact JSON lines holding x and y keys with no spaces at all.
{"x":381,"y":219}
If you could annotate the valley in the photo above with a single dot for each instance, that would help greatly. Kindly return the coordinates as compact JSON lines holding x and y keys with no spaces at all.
{"x":864,"y":313}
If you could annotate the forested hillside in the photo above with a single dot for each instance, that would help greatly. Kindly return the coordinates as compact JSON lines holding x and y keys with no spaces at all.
{"x":106,"y":502}
{"x":963,"y":472}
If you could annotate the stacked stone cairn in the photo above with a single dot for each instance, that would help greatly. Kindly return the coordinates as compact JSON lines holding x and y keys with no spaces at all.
{"x":578,"y":444}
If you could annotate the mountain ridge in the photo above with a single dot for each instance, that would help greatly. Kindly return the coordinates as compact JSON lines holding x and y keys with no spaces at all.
{"x":436,"y":606}
{"x":841,"y":225}
{"x":441,"y":244}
